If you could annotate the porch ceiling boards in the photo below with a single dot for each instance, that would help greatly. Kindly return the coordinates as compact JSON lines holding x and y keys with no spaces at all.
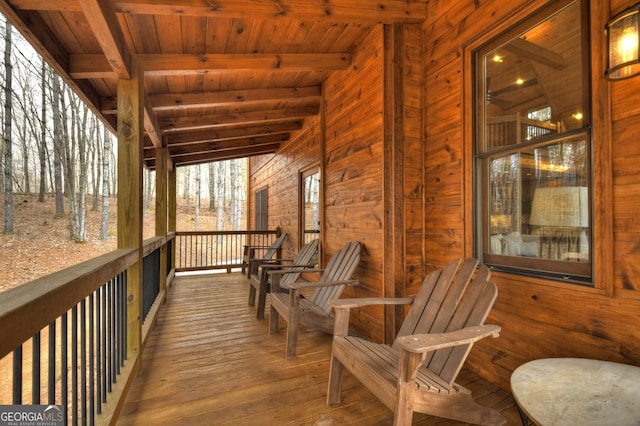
{"x":209,"y":361}
{"x":223,"y":78}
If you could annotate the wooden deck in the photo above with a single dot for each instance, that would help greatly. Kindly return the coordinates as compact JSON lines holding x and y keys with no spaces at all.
{"x":210,"y":362}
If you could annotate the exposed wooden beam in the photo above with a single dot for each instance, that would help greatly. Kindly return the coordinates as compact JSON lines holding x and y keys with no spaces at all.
{"x":172,"y":124}
{"x":232,"y":97}
{"x":224,"y":145}
{"x":171,"y":101}
{"x":151,"y":125}
{"x":383,"y":11}
{"x":232,"y":133}
{"x":102,"y":19}
{"x":224,"y":155}
{"x":97,"y":65}
{"x":536,"y":53}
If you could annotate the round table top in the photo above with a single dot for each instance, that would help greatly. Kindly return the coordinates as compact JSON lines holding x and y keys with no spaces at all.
{"x":578,"y":391}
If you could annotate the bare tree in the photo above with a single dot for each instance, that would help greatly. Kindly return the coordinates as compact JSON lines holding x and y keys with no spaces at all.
{"x":212,"y":186}
{"x":8,"y":157}
{"x":81,"y":212}
{"x":95,"y":149}
{"x":106,"y":148}
{"x":42,"y":145}
{"x":187,"y":180}
{"x":220,"y":185}
{"x":198,"y":187}
{"x":57,"y":144}
{"x":149,"y":189}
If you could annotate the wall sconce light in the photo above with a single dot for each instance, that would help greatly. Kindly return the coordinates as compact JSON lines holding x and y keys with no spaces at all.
{"x":623,"y":33}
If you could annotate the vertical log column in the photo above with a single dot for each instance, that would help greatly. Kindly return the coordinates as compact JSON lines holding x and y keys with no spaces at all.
{"x":394,"y":243}
{"x":130,"y":155}
{"x":161,"y":211}
{"x":172,"y":206}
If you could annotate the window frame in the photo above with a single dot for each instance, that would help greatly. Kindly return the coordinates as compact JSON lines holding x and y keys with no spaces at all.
{"x":302,"y":175}
{"x":581,"y":273}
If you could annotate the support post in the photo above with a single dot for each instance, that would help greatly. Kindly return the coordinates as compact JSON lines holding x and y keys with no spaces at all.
{"x":161,"y":211}
{"x":130,"y":155}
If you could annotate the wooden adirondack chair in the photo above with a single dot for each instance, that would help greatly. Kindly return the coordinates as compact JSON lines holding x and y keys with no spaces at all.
{"x":250,"y":254}
{"x":261,"y":281}
{"x":314,"y":311}
{"x":418,"y":371}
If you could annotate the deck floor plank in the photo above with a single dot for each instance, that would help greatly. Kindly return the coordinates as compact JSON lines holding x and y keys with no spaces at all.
{"x":209,"y":361}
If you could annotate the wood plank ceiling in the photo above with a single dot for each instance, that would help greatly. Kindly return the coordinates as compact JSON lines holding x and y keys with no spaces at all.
{"x":223,"y":78}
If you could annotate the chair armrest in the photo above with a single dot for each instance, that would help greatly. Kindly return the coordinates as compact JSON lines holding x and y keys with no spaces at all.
{"x":369,"y":301}
{"x":256,"y":247}
{"x":282,"y":269}
{"x":301,"y":284}
{"x":422,"y":343}
{"x":293,"y":271}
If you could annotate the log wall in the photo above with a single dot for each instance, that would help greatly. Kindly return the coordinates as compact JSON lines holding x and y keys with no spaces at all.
{"x":356,"y":140}
{"x":430,"y":186}
{"x":539,"y":318}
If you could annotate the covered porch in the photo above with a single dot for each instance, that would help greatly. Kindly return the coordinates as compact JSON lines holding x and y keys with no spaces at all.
{"x":209,"y":361}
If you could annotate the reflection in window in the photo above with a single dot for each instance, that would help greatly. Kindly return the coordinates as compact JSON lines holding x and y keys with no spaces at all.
{"x":533,"y":144}
{"x":311,"y":206}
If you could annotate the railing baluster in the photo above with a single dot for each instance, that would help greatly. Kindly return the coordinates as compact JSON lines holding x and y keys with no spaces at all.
{"x":35,"y":369}
{"x":123,"y":317}
{"x":74,"y":365}
{"x":197,"y":250}
{"x":64,"y":363}
{"x":17,"y":375}
{"x":91,"y":371}
{"x":51,"y":379}
{"x":83,"y":361}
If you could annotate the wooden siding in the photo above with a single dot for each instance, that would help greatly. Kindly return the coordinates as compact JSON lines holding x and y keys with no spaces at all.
{"x":280,"y":175}
{"x":353,"y":172}
{"x":540,"y":318}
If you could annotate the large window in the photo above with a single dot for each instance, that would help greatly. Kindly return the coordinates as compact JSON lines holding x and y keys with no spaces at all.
{"x":533,"y":147}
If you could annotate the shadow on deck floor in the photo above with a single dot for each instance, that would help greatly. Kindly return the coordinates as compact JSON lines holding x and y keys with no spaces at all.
{"x":210,"y":362}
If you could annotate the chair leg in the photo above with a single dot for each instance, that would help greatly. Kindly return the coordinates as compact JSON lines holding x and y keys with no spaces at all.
{"x":262,"y":300}
{"x":252,"y":294}
{"x":403,"y":413}
{"x":293,"y":324}
{"x":334,"y":390}
{"x":273,"y":321}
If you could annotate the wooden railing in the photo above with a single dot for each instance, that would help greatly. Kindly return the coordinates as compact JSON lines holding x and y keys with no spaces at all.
{"x":203,"y":250}
{"x":64,"y":337}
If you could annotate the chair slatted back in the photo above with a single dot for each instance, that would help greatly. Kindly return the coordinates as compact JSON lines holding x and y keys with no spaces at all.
{"x":303,"y":258}
{"x":275,"y":246}
{"x":458,"y":296}
{"x":340,"y":268}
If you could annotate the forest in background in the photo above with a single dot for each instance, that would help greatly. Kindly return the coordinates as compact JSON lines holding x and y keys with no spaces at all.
{"x":52,"y":143}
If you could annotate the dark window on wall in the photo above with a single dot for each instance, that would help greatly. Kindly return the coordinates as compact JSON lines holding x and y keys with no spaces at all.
{"x":261,"y":209}
{"x":533,"y":147}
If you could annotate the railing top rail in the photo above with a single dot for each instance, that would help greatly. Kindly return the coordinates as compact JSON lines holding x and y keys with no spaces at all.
{"x":267,"y":232}
{"x":26,"y":309}
{"x":152,"y":244}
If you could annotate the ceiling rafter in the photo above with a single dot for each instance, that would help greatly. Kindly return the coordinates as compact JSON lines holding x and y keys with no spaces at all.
{"x":237,"y":132}
{"x":173,"y":101}
{"x":383,"y":11}
{"x":225,"y":144}
{"x":102,"y":19}
{"x":98,"y":66}
{"x":176,"y":124}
